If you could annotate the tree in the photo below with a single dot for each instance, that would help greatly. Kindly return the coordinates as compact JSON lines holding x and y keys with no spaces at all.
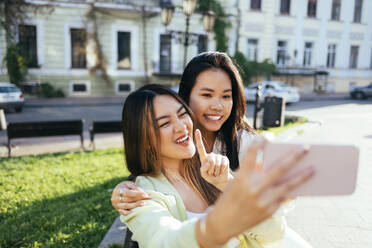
{"x":252,"y":69}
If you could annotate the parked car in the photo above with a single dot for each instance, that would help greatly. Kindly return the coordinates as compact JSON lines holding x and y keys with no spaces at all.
{"x":11,"y":97}
{"x":361,"y":92}
{"x":272,"y":88}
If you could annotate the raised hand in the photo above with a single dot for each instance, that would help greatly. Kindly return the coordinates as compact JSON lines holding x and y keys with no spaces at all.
{"x":127,"y":196}
{"x":214,"y":167}
{"x":252,"y":196}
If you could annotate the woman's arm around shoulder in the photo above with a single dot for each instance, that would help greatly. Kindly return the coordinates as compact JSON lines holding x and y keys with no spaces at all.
{"x":153,"y":225}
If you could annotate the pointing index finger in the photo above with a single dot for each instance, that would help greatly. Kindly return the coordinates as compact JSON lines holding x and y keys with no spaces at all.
{"x":200,"y":146}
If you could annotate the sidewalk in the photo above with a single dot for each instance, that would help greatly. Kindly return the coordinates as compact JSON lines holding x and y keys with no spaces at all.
{"x":324,"y":96}
{"x":74,"y":101}
{"x":119,"y":100}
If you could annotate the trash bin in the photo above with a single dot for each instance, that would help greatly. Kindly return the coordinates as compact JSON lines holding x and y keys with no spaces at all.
{"x":274,"y":112}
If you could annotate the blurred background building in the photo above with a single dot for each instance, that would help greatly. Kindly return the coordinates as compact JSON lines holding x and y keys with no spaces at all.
{"x":110,"y":47}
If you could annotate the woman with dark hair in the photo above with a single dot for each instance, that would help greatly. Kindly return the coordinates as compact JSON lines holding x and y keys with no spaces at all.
{"x":211,"y":85}
{"x":159,"y":149}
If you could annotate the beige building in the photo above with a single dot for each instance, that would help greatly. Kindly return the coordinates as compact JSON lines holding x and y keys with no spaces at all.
{"x":323,"y":46}
{"x":62,"y":52}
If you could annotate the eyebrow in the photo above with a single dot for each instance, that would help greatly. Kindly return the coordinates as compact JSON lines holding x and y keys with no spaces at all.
{"x":167,"y":116}
{"x":210,"y":90}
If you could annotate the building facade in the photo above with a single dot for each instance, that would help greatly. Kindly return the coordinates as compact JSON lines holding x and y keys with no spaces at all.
{"x":62,"y":53}
{"x":322,"y":46}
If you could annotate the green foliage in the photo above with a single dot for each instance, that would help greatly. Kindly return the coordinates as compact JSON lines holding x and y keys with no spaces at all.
{"x":289,"y":122}
{"x":16,"y":64}
{"x":58,"y":200}
{"x":48,"y":91}
{"x":251,"y":69}
{"x":221,"y":22}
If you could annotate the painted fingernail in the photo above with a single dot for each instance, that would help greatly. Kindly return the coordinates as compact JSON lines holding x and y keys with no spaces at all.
{"x":305,"y":148}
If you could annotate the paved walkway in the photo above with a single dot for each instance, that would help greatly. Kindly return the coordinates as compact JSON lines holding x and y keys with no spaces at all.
{"x":35,"y":146}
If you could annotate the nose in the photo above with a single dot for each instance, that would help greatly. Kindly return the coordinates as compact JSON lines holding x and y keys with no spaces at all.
{"x":217,"y":105}
{"x":179,"y":126}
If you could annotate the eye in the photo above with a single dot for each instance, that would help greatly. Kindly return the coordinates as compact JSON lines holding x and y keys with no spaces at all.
{"x":207,"y":95}
{"x":184,"y":114}
{"x":164,"y":124}
{"x":226,"y":96}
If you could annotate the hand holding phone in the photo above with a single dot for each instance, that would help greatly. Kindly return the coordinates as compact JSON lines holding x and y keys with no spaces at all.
{"x":336,"y":167}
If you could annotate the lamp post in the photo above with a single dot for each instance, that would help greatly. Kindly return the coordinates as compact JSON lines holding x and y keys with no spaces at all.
{"x":167,"y":10}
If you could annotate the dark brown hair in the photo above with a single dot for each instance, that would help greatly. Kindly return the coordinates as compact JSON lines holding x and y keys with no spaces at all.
{"x":142,"y":141}
{"x":217,"y":60}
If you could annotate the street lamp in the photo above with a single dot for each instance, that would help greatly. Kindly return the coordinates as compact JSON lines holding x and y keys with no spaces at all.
{"x":208,"y":20}
{"x":188,"y":9}
{"x":167,"y":10}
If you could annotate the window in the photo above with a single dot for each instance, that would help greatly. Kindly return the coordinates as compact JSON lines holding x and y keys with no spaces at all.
{"x":281,"y":53}
{"x":285,"y":6}
{"x":331,"y":55}
{"x":252,"y":49}
{"x":307,"y":53}
{"x":358,"y":11}
{"x":311,"y":8}
{"x":27,"y":41}
{"x":202,"y":43}
{"x":78,"y":48}
{"x":165,"y":52}
{"x":336,"y":9}
{"x":124,"y":87}
{"x":256,"y":4}
{"x":354,"y":50}
{"x":80,"y":88}
{"x":124,"y":61}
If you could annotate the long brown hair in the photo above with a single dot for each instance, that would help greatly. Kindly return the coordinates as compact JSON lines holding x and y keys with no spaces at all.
{"x":142,"y":141}
{"x":217,"y":60}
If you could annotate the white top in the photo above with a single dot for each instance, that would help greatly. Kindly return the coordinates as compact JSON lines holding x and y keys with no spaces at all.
{"x":244,"y":139}
{"x":192,"y":215}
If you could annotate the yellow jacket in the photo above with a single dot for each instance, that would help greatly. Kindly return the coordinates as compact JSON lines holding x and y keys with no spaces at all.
{"x":162,"y":222}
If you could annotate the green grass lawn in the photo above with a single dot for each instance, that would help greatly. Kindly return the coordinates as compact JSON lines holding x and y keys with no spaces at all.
{"x":288,"y":123}
{"x":58,"y":200}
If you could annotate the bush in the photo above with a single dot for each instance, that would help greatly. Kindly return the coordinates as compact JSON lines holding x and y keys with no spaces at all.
{"x":15,"y":64}
{"x":250,"y":69}
{"x":48,"y":91}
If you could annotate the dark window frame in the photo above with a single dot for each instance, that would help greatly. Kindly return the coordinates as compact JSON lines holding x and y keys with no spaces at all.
{"x":78,"y":56}
{"x":336,"y":10}
{"x":331,"y":55}
{"x":255,"y":52}
{"x":358,"y":6}
{"x":353,"y":60}
{"x":281,"y":54}
{"x":285,"y":7}
{"x":256,"y":5}
{"x":308,"y":55}
{"x":311,"y":8}
{"x":124,"y":49}
{"x":27,"y":40}
{"x":202,"y":43}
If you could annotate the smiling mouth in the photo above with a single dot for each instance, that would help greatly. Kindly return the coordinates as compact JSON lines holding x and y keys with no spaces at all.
{"x":184,"y":140}
{"x":213,"y":117}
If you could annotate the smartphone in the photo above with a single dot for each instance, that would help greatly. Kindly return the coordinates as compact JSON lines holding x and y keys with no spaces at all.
{"x":336,"y":167}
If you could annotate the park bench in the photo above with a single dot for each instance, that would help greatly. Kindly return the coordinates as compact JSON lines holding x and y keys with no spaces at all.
{"x":44,"y":128}
{"x":104,"y":127}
